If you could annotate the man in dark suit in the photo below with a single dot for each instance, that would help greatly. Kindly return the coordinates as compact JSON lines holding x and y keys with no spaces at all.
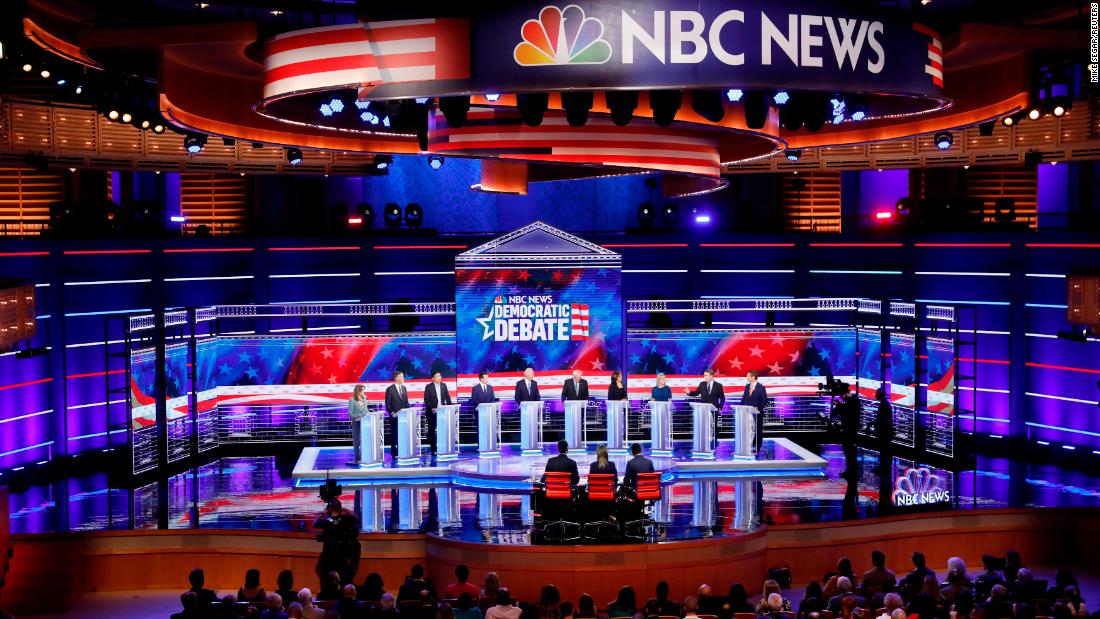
{"x":482,"y":391}
{"x":197,"y":579}
{"x":634,"y":466}
{"x":756,"y":396}
{"x":562,"y":463}
{"x":435,"y":395}
{"x":712,"y":392}
{"x":575,"y":388}
{"x":527,"y":390}
{"x":397,"y":398}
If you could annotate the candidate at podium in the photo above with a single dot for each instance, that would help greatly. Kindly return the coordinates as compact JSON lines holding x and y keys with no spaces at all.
{"x":482,"y":393}
{"x":435,"y":395}
{"x":397,"y":398}
{"x":660,"y":392}
{"x":756,"y":396}
{"x":527,"y":390}
{"x":575,"y":388}
{"x":617,"y":389}
{"x":711,"y":392}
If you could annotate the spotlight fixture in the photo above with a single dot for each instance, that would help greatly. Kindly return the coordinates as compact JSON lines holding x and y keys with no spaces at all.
{"x":756,"y":110}
{"x":1010,"y":120}
{"x":436,"y":161}
{"x":665,"y":104}
{"x":532,"y":107}
{"x":1034,"y":112}
{"x":839,"y":109}
{"x":382,"y":162}
{"x":733,"y":95}
{"x":492,"y":97}
{"x":672,"y":214}
{"x":903,"y":206}
{"x":127,"y":117}
{"x":294,"y":156}
{"x":859,"y":111}
{"x":27,"y":68}
{"x":392,"y":216}
{"x":622,"y":104}
{"x":794,"y":154}
{"x":708,"y":104}
{"x":366,"y":214}
{"x":45,"y":73}
{"x":414,"y":215}
{"x":781,"y":97}
{"x":645,"y":215}
{"x":455,"y":110}
{"x":815,"y":111}
{"x":62,"y":82}
{"x":79,"y":89}
{"x":194,"y":142}
{"x":1060,"y":105}
{"x":576,"y":105}
{"x":943,"y":140}
{"x":336,"y":105}
{"x":145,"y":124}
{"x":326,"y":110}
{"x":158,"y":128}
{"x":112,"y":114}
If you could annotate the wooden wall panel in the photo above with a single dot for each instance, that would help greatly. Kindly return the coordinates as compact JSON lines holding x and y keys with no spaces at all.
{"x":810,"y":201}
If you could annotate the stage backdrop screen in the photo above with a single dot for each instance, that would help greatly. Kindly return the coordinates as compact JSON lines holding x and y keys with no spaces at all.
{"x":143,"y":367}
{"x":870,"y":362}
{"x":903,"y":370}
{"x":551,"y":319}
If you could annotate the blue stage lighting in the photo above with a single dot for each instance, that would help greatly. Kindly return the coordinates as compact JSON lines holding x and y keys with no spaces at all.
{"x":734,"y":94}
{"x":194,"y":142}
{"x":336,"y":104}
{"x":492,"y":96}
{"x":436,"y":161}
{"x":794,"y":154}
{"x":382,"y":165}
{"x":326,"y":110}
{"x":385,"y":121}
{"x":362,"y":105}
{"x":944,"y":140}
{"x":781,"y":97}
{"x":294,"y":156}
{"x":859,"y":115}
{"x":423,"y":100}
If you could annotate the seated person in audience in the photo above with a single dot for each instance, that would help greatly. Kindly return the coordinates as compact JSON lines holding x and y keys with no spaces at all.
{"x":989,"y":577}
{"x":930,"y":602}
{"x":844,"y":587}
{"x":707,"y":603}
{"x":956,"y":564}
{"x":1073,"y":600}
{"x":460,"y":586}
{"x":1062,"y":578}
{"x":830,"y":588}
{"x":998,"y":606}
{"x":330,"y":587}
{"x":957,"y":583}
{"x":197,"y":578}
{"x":625,"y":604}
{"x":878,"y":579}
{"x":348,"y":606}
{"x":813,"y":600}
{"x":226,"y":609}
{"x":414,"y":584}
{"x":1024,"y":611}
{"x":920,"y":570}
{"x":565,"y":610}
{"x":309,"y":610}
{"x":444,"y":612}
{"x":373,"y":588}
{"x":843,"y":568}
{"x":665,"y":606}
{"x":848,"y":607}
{"x":285,"y":580}
{"x":1023,"y":591}
{"x":251,"y":591}
{"x":190,"y":602}
{"x":892,"y":601}
{"x":964,"y":607}
{"x":691,"y":607}
{"x":770,"y":587}
{"x":898,"y":613}
{"x":389,"y":606}
{"x":773,"y":606}
{"x":294,"y":611}
{"x":504,"y":609}
{"x":273,"y":607}
{"x":466,"y":607}
{"x":1060,"y":611}
{"x":549,"y":598}
{"x":1013,"y":563}
{"x":586,"y":607}
{"x":490,"y":586}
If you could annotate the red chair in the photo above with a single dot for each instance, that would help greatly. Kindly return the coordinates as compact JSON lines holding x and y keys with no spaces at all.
{"x":558,"y":490}
{"x":647,"y":489}
{"x":601,"y":501}
{"x":558,"y":486}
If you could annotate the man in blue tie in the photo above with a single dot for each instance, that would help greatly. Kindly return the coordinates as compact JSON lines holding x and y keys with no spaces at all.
{"x":756,"y":395}
{"x":482,"y":391}
{"x":527,"y":389}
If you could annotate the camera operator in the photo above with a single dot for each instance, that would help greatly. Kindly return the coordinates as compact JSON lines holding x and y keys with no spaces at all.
{"x":849,"y":409}
{"x":340,"y":538}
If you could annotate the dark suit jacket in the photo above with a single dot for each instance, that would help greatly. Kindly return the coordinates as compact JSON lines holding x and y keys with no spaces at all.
{"x":396,"y":399}
{"x":206,"y":596}
{"x":569,"y":390}
{"x":637,"y":464}
{"x":430,"y":402}
{"x":717,"y":395}
{"x":481,"y":395}
{"x":759,"y":397}
{"x":562,"y":463}
{"x":609,"y":470}
{"x":614,"y":393}
{"x":522,"y":395}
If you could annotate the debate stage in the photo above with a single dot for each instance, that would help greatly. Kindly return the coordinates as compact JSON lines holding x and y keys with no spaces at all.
{"x":778,"y":457}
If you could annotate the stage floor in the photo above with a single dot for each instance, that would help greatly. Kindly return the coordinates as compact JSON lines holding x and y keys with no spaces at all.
{"x":778,"y":457}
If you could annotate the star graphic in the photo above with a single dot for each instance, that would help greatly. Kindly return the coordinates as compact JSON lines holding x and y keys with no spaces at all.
{"x":244,"y":357}
{"x":224,"y":368}
{"x":635,"y":359}
{"x":778,"y":340}
{"x":326,"y":353}
{"x":315,"y":369}
{"x":524,"y":275}
{"x":815,"y":371}
{"x":795,"y":357}
{"x":530,"y":359}
{"x":252,"y":373}
{"x":823,"y":353}
{"x":279,"y":362}
{"x":756,"y":351}
{"x":332,"y":379}
{"x":669,"y":359}
{"x":736,"y":363}
{"x":597,"y":365}
{"x":775,"y":368}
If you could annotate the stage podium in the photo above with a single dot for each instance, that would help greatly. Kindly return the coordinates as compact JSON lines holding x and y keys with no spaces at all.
{"x":370,"y":437}
{"x":446,"y":432}
{"x":744,"y":432}
{"x":408,"y":436}
{"x":488,"y":430}
{"x":574,"y":422}
{"x":660,"y":428}
{"x":616,"y":426}
{"x":702,"y":430}
{"x":530,"y":428}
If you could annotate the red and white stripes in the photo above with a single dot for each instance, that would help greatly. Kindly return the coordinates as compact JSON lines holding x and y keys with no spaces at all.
{"x":935,"y":54}
{"x":579,"y":315}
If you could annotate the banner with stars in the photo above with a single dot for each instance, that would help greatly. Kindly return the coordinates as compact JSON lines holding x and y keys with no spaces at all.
{"x":550,"y":319}
{"x":941,"y":375}
{"x":903,"y":370}
{"x":870,"y":362}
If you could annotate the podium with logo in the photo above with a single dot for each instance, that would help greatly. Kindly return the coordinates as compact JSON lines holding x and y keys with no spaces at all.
{"x":530,"y":428}
{"x":660,"y":428}
{"x":574,"y":422}
{"x":408,"y":436}
{"x":702,"y":430}
{"x":488,"y":430}
{"x":744,"y":432}
{"x":370,"y":437}
{"x":616,"y":426}
{"x":446,"y":432}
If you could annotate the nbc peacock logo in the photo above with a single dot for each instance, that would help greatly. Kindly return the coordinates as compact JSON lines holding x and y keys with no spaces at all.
{"x":560,"y":37}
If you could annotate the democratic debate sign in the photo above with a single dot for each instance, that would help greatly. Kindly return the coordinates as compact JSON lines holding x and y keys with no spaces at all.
{"x":534,"y":318}
{"x":703,"y":43}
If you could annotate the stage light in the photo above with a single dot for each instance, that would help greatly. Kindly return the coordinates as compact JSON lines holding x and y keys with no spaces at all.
{"x":112,"y":115}
{"x":576,"y":105}
{"x":455,"y":110}
{"x":27,"y":68}
{"x":423,"y":100}
{"x":436,"y":161}
{"x":194,"y":143}
{"x":326,"y":110}
{"x":702,"y":219}
{"x":646,"y":215}
{"x":1060,"y":105}
{"x":61,"y":82}
{"x":733,"y":95}
{"x":859,"y":112}
{"x":178,"y":219}
{"x":355,"y":221}
{"x":794,"y":154}
{"x":127,"y":117}
{"x":158,"y":128}
{"x":943,"y":140}
{"x":45,"y":73}
{"x":708,"y":104}
{"x":883,"y":215}
{"x":382,"y":162}
{"x":145,"y":124}
{"x":756,"y":110}
{"x":491,"y":97}
{"x":336,"y":105}
{"x":672,"y":214}
{"x":1035,"y":112}
{"x":366,"y":213}
{"x":414,"y":215}
{"x":839,"y":108}
{"x":294,"y":156}
{"x":781,"y":97}
{"x":532,"y":107}
{"x":903,"y":206}
{"x":665,"y":104}
{"x":361,"y":104}
{"x":622,"y":104}
{"x":79,"y":89}
{"x":392,"y":215}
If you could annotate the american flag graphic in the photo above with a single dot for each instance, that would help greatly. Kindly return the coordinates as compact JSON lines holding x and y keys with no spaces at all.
{"x":579,"y":314}
{"x":935,"y":54}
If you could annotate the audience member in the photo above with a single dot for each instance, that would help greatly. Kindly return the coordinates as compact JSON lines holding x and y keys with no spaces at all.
{"x":227,"y":609}
{"x":770,"y":586}
{"x":491,"y":585}
{"x":892,"y":601}
{"x":844,"y":588}
{"x":197,"y":578}
{"x":1025,"y":611}
{"x":920,"y":571}
{"x":294,"y":611}
{"x":957,"y":582}
{"x":878,"y":579}
{"x":348,"y":606}
{"x":998,"y":606}
{"x":848,"y":607}
{"x":251,"y":591}
{"x":668,"y":608}
{"x":1062,"y":578}
{"x":586,"y":607}
{"x":773,"y":606}
{"x":444,"y":612}
{"x":956,"y":564}
{"x":285,"y":581}
{"x":989,"y":577}
{"x":625,"y":604}
{"x":707,"y":603}
{"x":1061,"y":610}
{"x":415,"y":582}
{"x":549,"y":598}
{"x":930,"y":602}
{"x":389,"y":603}
{"x":460,"y":586}
{"x":1013,"y":563}
{"x":504,"y":608}
{"x":190,"y":602}
{"x":1072,"y":597}
{"x":565,"y":610}
{"x":830,"y":589}
{"x":466,"y":607}
{"x":373,"y":588}
{"x":844,"y":568}
{"x":964,"y":607}
{"x":691,"y":607}
{"x":737,"y":601}
{"x":1024,"y":589}
{"x":273,"y":607}
{"x":309,"y":610}
{"x":330,"y":587}
{"x":813,"y":600}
